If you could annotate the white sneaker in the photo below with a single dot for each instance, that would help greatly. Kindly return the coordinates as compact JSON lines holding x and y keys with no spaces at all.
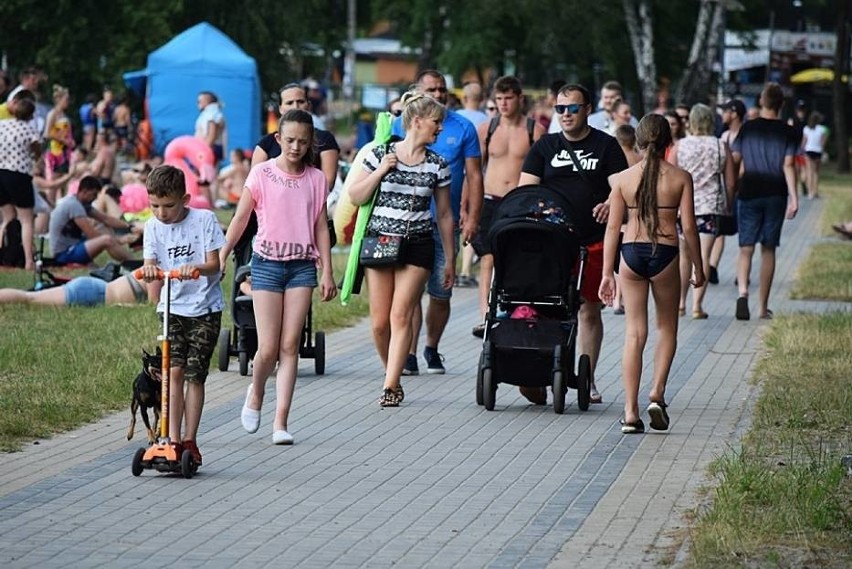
{"x":282,"y":438}
{"x":250,"y":417}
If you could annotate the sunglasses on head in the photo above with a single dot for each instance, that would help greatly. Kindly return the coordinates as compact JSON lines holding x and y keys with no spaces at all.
{"x":573,"y":108}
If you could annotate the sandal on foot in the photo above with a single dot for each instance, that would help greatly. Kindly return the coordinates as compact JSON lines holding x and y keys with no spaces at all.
{"x":635,"y":428}
{"x":400,"y":394}
{"x":594,"y":396}
{"x":389,"y":398}
{"x":766,"y":315}
{"x":742,"y":312}
{"x":658,"y":415}
{"x":699,"y":315}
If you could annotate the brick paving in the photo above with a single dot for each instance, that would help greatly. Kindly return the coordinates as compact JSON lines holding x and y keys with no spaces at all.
{"x":438,"y":482}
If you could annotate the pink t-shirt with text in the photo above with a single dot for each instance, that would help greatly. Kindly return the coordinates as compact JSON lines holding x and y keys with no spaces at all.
{"x":287,"y":208}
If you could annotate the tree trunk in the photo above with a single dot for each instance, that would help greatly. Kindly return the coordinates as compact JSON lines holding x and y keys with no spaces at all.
{"x":695,"y":85}
{"x":840,"y":87}
{"x":640,"y":27}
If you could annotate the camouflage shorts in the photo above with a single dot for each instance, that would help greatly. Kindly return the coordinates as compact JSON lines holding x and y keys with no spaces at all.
{"x":193,"y":342}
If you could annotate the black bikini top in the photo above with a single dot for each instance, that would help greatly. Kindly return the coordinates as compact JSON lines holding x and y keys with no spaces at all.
{"x":658,"y":207}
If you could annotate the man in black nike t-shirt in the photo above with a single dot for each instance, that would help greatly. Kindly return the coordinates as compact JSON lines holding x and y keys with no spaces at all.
{"x":549,"y":163}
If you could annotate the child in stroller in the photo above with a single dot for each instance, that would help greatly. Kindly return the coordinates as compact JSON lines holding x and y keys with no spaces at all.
{"x":536,"y":282}
{"x":242,"y":340}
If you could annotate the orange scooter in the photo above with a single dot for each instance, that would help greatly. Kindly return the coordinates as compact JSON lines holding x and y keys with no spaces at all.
{"x":162,"y":456}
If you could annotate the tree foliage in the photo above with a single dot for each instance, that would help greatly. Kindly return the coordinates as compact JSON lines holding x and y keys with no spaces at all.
{"x":84,"y":44}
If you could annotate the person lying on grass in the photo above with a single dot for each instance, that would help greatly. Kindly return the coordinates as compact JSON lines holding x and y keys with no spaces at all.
{"x":86,"y":291}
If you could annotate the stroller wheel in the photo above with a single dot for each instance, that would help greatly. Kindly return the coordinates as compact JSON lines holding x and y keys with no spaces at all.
{"x":244,"y":361}
{"x":489,"y":389}
{"x":559,"y":392}
{"x":224,"y":349}
{"x":319,"y":353}
{"x":584,"y":382}
{"x":480,"y":397}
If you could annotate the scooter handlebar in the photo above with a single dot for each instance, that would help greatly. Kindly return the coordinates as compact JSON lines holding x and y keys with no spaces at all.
{"x":161,"y":274}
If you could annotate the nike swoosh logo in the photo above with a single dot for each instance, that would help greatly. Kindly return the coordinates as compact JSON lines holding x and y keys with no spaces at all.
{"x":556,"y":162}
{"x":564,"y":159}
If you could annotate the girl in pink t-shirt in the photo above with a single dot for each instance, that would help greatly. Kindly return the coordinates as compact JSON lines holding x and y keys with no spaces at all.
{"x":288,"y":197}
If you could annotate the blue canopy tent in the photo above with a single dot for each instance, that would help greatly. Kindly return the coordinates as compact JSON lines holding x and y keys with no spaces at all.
{"x":201,"y":58}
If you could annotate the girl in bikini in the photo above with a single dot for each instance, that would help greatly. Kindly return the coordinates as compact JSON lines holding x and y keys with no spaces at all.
{"x":652,"y":192}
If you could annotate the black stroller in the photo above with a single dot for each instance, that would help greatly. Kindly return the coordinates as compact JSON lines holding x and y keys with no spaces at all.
{"x":535,"y":292}
{"x":242,"y":341}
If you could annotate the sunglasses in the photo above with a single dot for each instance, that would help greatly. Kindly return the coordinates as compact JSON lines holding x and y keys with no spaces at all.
{"x":395,"y":112}
{"x":573,"y":108}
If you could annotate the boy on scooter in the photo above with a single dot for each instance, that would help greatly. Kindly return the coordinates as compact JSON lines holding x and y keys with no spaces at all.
{"x":188,"y":240}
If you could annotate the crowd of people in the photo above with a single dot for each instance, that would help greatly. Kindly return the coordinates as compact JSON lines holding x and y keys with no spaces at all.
{"x":649,"y":201}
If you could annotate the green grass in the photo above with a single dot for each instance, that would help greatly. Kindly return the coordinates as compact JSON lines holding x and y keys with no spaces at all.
{"x":63,"y":367}
{"x":783,"y":498}
{"x":826,"y":272}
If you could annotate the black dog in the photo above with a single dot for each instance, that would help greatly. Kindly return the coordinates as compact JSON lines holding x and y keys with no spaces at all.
{"x":147,"y":389}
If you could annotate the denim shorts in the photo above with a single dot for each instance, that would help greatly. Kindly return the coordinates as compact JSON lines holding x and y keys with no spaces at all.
{"x":76,"y":254}
{"x":760,"y":220}
{"x":278,"y":276}
{"x":85,"y":291}
{"x":435,"y":286}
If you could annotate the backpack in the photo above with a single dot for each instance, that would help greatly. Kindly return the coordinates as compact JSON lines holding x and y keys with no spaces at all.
{"x":492,"y":126}
{"x":12,"y":249}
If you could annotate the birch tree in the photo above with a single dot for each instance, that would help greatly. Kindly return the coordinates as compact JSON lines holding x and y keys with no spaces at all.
{"x":695,"y":84}
{"x":638,"y":16}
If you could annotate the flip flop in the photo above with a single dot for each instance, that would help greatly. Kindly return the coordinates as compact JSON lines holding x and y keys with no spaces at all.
{"x":742,"y":312}
{"x":635,"y":428}
{"x":594,"y":396}
{"x":658,"y":415}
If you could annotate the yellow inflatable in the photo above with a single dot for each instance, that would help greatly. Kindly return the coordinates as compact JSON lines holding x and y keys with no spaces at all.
{"x":345,"y":212}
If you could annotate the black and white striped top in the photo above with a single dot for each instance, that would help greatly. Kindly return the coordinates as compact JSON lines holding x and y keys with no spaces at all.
{"x":402,"y":207}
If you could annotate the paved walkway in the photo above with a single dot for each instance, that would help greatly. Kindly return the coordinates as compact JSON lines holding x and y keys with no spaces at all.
{"x":438,"y":482}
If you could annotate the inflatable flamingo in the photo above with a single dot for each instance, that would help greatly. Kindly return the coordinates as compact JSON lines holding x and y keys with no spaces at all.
{"x":195,"y":159}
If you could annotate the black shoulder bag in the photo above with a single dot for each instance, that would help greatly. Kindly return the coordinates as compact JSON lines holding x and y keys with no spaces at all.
{"x":383,"y":250}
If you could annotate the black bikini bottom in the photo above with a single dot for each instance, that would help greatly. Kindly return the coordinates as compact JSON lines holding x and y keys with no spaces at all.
{"x":646,"y":260}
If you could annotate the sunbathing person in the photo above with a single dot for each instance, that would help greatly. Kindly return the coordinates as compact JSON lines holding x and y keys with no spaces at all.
{"x":844,"y":229}
{"x":86,"y":291}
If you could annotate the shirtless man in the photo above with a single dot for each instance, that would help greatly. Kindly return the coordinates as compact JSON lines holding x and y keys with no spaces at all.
{"x":121,"y":119}
{"x":504,"y":142}
{"x":103,"y":166}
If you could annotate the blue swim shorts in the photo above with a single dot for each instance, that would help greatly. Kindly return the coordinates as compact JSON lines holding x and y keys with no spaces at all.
{"x":74,"y":254}
{"x":759,"y":220}
{"x":278,"y":276}
{"x":85,"y":291}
